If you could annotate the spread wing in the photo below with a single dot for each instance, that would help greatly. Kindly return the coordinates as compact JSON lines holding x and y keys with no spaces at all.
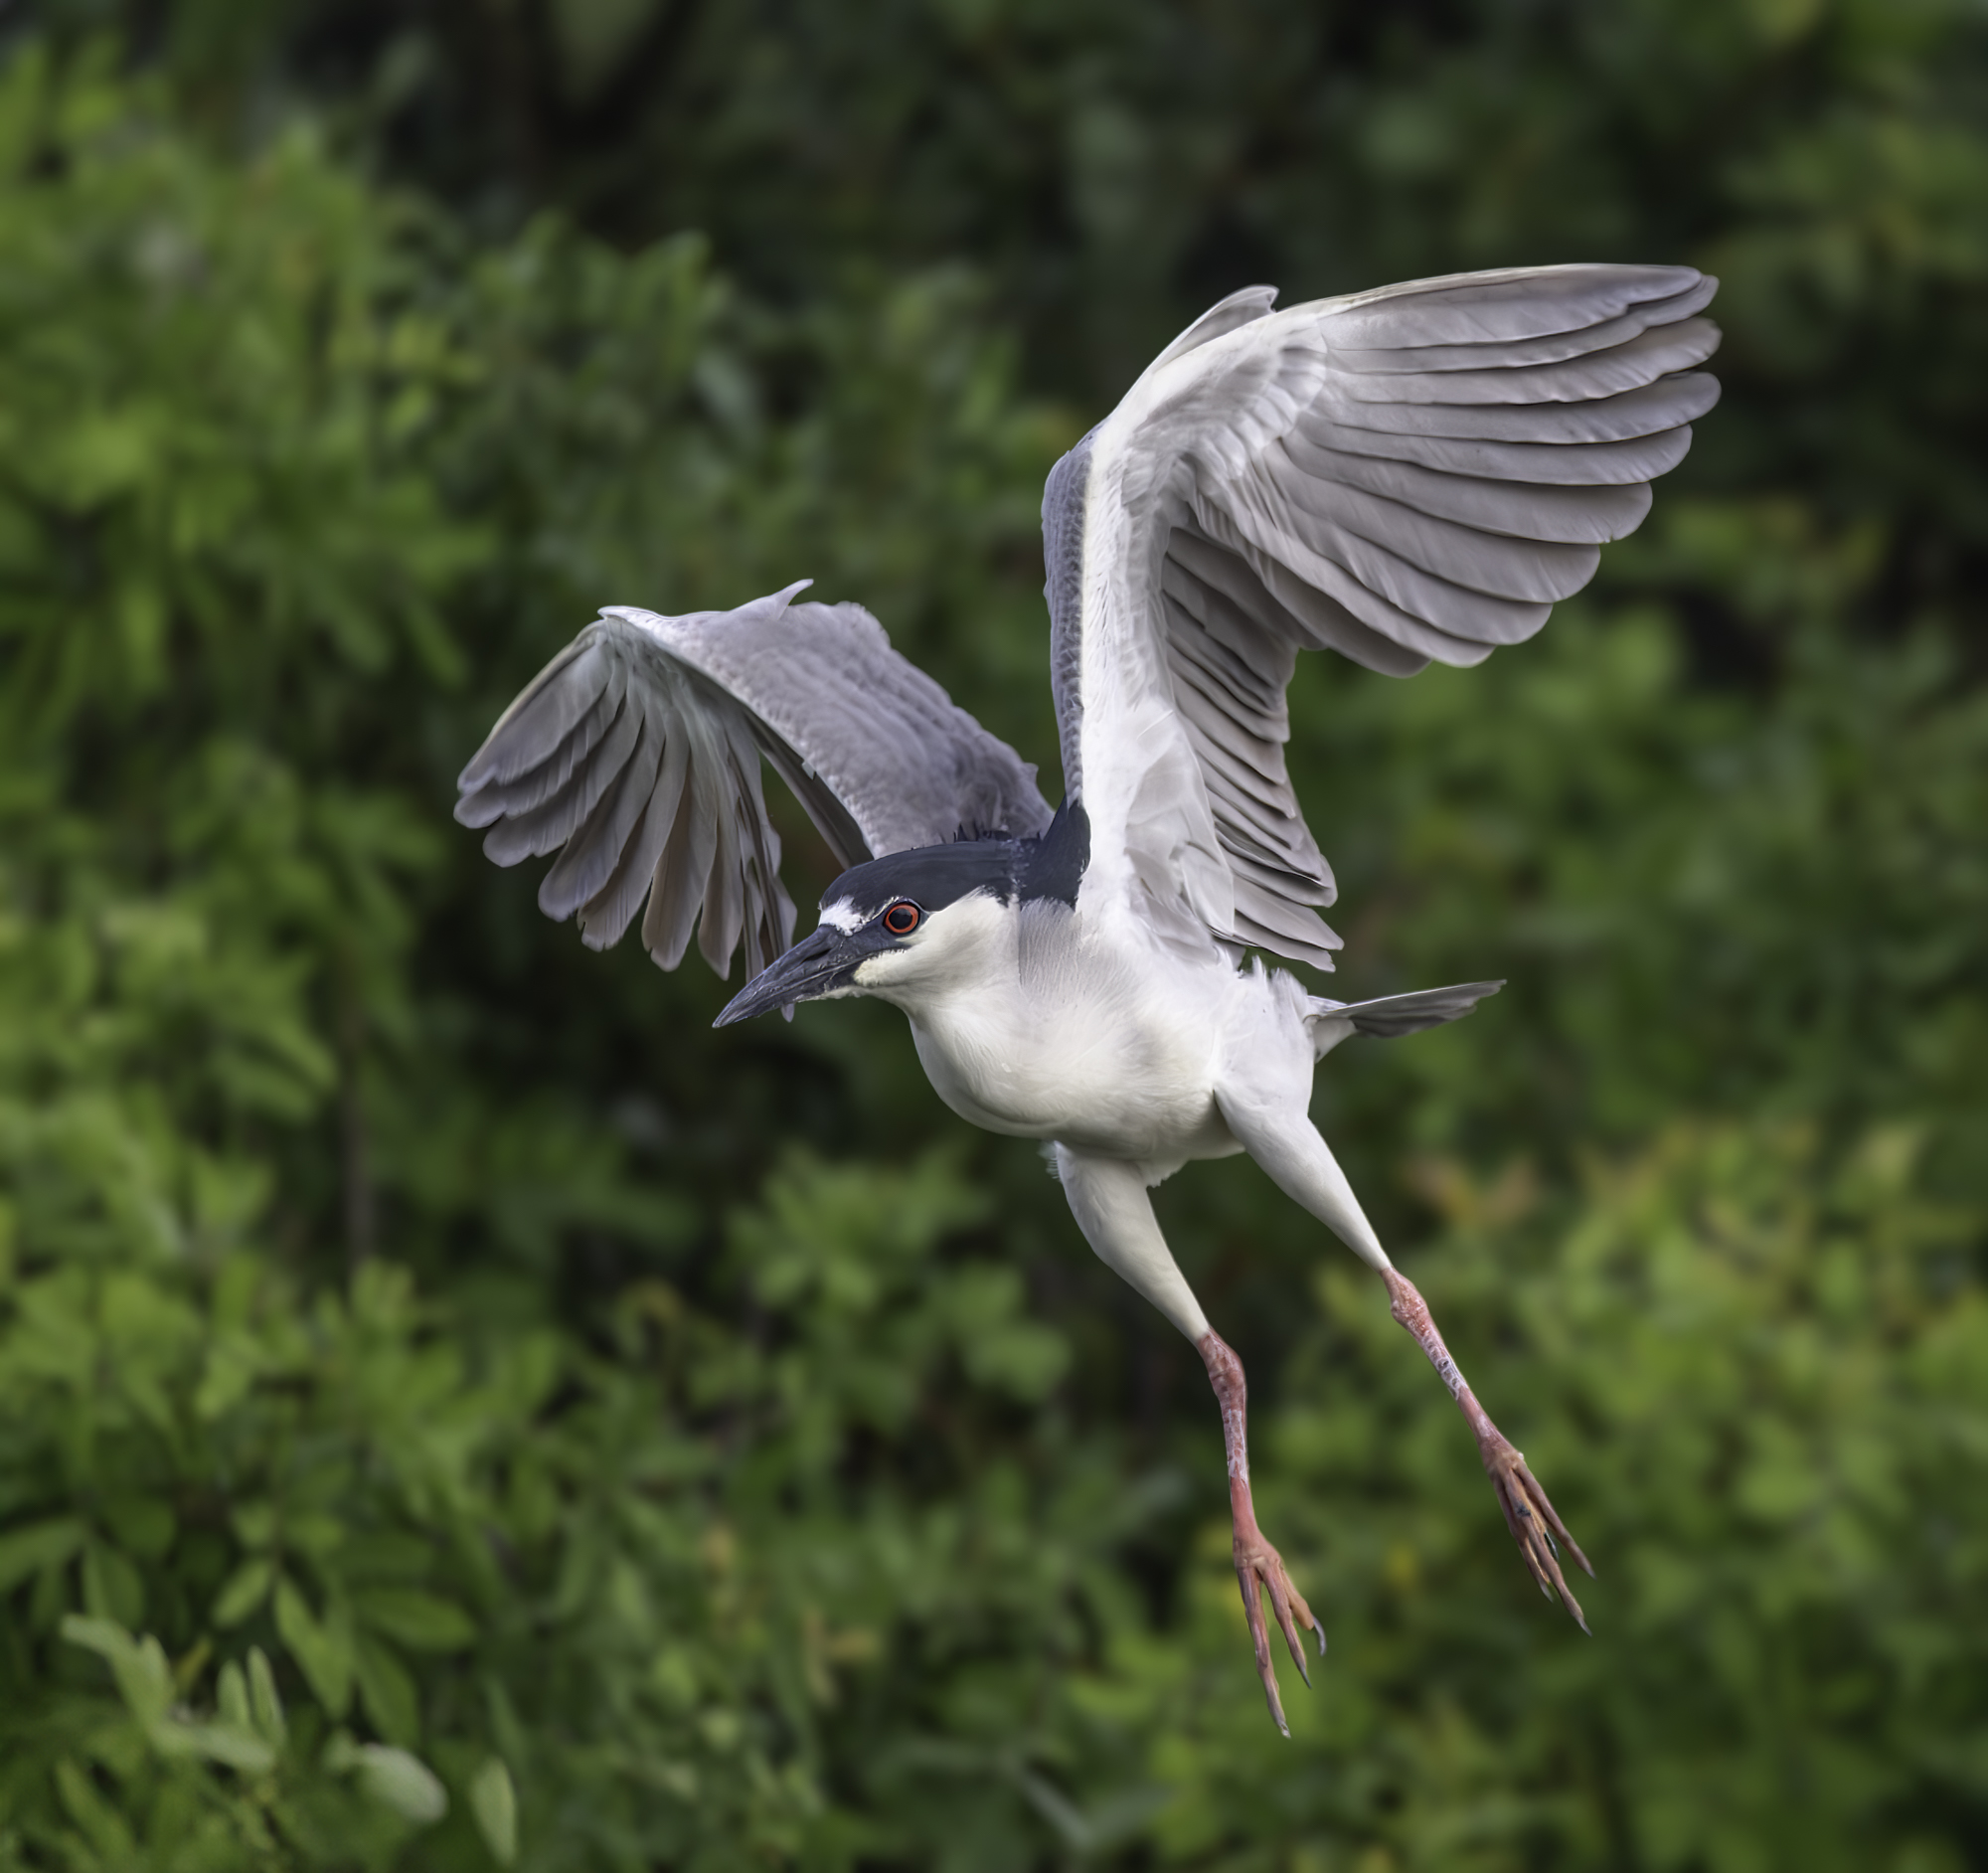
{"x":1410,"y":474}
{"x":637,"y":750}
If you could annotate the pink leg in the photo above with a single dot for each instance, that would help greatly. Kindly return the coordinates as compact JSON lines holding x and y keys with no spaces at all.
{"x":1528,"y":1513}
{"x":1259,"y":1569}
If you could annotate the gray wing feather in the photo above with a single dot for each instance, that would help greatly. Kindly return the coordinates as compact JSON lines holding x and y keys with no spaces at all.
{"x":1571,"y":515}
{"x":614,"y":906}
{"x":677,"y":895}
{"x":565,"y":809}
{"x":565,"y":690}
{"x":1481,"y":353}
{"x":1409,"y":475}
{"x":908,"y":765}
{"x":1512,"y":304}
{"x":1646,"y":358}
{"x":1631,"y":415}
{"x":587,"y":865}
{"x":1536,"y":464}
{"x":637,"y":751}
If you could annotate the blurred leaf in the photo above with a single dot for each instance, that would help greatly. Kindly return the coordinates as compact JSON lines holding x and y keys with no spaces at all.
{"x":322,"y":1649}
{"x":495,"y":1805}
{"x":139,"y":1667}
{"x":265,"y":1703}
{"x":248,"y":1587}
{"x":392,"y":1777}
{"x":387,"y":1690}
{"x":26,"y":1550}
{"x":422,"y":1621}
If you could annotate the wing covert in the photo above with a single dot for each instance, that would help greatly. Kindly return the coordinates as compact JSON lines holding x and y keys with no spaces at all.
{"x":635,"y":755}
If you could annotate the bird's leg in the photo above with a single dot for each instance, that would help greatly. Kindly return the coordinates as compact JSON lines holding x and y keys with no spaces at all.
{"x":1528,"y":1514}
{"x":1260,"y":1567}
{"x":1108,"y":1197}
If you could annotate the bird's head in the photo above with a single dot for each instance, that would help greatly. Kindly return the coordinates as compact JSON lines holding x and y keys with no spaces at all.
{"x":896,"y":927}
{"x":914,"y":925}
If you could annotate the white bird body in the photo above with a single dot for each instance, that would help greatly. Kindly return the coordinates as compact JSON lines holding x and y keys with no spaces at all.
{"x":1114,"y":1054}
{"x":1411,"y":474}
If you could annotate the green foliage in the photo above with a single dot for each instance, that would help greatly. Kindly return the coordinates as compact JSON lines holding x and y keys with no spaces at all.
{"x":454,"y":1411}
{"x":615,"y":1590}
{"x":1117,"y":165}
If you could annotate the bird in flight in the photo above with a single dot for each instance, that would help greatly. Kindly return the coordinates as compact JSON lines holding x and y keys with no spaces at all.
{"x":1406,"y":475}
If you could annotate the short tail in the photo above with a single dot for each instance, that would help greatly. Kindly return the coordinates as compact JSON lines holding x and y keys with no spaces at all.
{"x":1390,"y":1016}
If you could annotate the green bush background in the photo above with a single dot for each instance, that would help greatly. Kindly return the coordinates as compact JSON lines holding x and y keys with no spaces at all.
{"x":455,"y":1410}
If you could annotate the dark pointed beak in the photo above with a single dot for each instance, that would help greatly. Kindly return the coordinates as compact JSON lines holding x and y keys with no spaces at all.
{"x":811,"y":967}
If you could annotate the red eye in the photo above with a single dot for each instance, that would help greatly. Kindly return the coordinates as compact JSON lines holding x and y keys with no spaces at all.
{"x":901,"y":919}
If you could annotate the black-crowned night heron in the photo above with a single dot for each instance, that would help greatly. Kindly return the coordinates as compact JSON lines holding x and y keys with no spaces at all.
{"x":1410,"y":474}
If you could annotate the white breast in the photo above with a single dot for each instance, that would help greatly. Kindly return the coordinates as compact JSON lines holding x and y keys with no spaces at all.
{"x":1073,"y":1042}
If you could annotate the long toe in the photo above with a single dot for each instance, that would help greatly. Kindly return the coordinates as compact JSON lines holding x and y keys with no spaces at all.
{"x":1289,"y":1606}
{"x":1535,"y":1524}
{"x":1259,"y":1637}
{"x":1261,"y":1573}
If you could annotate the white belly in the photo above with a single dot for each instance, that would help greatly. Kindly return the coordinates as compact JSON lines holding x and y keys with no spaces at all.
{"x":1100,"y":1073}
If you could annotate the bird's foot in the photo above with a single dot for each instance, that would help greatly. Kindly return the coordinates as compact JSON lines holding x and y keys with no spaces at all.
{"x":1261,"y":1570}
{"x":1260,"y":1567}
{"x":1535,"y":1526}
